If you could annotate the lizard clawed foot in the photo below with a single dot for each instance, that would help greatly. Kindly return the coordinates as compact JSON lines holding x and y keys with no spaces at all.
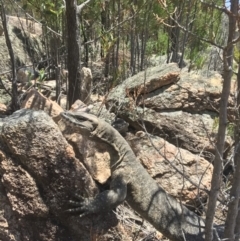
{"x":81,"y":206}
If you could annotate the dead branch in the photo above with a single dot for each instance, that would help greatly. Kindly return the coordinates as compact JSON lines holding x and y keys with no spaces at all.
{"x":114,"y":27}
{"x":81,"y":6}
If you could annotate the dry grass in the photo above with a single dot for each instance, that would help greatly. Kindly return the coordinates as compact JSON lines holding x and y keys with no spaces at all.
{"x":138,"y":228}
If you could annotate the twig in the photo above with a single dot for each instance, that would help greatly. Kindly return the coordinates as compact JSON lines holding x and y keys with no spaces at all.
{"x":175,"y":168}
{"x":81,"y":6}
{"x":184,"y":29}
{"x":113,"y":27}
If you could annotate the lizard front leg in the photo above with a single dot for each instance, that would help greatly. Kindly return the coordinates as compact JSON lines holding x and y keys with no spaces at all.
{"x":104,"y":201}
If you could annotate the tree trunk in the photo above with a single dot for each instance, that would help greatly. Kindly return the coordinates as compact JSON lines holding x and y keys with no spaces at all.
{"x":237,"y":160}
{"x":15,"y":105}
{"x":85,"y":39}
{"x":132,"y":43}
{"x":230,"y":224}
{"x":73,"y":52}
{"x":118,"y":36}
{"x":217,"y":172}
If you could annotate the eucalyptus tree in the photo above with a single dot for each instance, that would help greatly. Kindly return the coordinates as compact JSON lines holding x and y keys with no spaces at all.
{"x":233,"y":18}
{"x":208,"y":34}
{"x":232,"y":224}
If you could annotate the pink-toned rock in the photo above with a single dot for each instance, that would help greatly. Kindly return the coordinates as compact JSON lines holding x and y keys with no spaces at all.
{"x":145,"y":82}
{"x":183,"y":112}
{"x":36,"y":101}
{"x":157,"y":80}
{"x":23,"y":193}
{"x":86,"y":85}
{"x":193,"y":93}
{"x":94,"y":156}
{"x":38,"y":178}
{"x":3,"y":109}
{"x":78,"y":105}
{"x":192,"y":132}
{"x":162,"y":160}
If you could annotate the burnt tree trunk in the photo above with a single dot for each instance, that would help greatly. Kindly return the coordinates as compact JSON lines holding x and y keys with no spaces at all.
{"x":14,"y":104}
{"x":73,"y":47}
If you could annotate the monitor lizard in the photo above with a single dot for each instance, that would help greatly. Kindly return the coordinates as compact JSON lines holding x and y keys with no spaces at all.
{"x":131,"y":182}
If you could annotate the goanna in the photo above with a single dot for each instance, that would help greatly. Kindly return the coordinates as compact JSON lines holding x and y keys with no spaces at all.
{"x":131,"y":182}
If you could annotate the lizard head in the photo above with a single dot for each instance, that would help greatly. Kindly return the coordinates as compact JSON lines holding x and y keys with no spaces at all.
{"x":81,"y":122}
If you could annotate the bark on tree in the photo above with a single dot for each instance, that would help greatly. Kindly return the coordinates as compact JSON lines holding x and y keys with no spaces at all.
{"x":15,"y":105}
{"x":73,"y":59}
{"x":231,"y":229}
{"x":236,"y":181}
{"x":73,"y":12}
{"x":132,"y":44}
{"x":217,"y":172}
{"x":175,"y":35}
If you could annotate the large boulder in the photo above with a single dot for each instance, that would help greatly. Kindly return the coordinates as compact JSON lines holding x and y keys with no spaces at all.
{"x":25,"y":36}
{"x":182,"y":174}
{"x":5,"y":91}
{"x":3,"y":109}
{"x":192,"y":132}
{"x":36,"y":101}
{"x":39,"y":174}
{"x":183,"y":111}
{"x":161,"y":159}
{"x":145,"y":82}
{"x":193,"y":93}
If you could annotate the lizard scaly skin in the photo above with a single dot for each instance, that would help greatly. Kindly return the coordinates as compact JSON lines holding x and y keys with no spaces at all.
{"x":131,"y":182}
